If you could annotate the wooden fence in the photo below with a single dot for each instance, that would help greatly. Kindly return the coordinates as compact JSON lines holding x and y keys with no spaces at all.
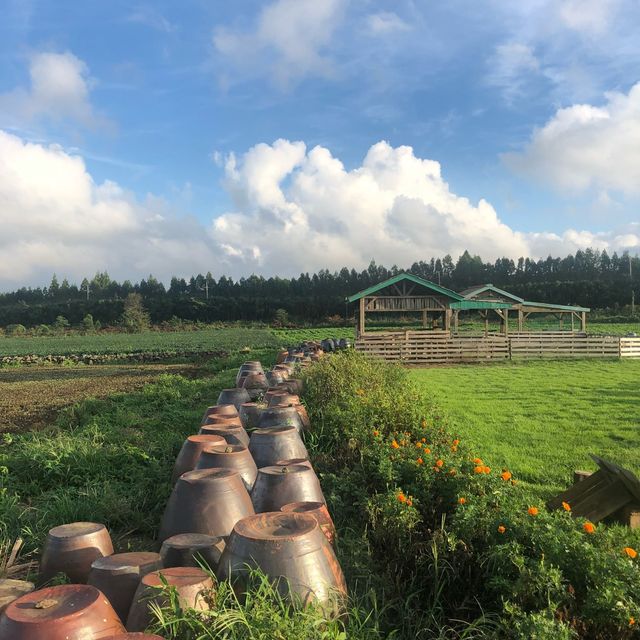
{"x":441,"y":347}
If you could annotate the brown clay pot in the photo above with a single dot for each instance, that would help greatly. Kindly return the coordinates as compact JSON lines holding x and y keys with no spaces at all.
{"x":267,"y":446}
{"x":255,"y":384}
{"x":289,"y":546}
{"x":234,"y":396}
{"x":250,"y":414}
{"x":190,"y":453}
{"x":117,"y":576}
{"x":283,"y":399}
{"x":276,"y":486}
{"x":220,"y":410}
{"x":287,"y":463}
{"x":281,"y":356}
{"x":207,"y":501}
{"x":192,"y":585}
{"x":252,"y":366}
{"x":319,"y":511}
{"x":294,"y":385}
{"x":232,"y":434}
{"x":289,"y":400}
{"x":71,"y":548}
{"x":191,"y":549}
{"x":230,"y":456}
{"x":65,"y":612}
{"x":11,"y":590}
{"x":275,"y":377}
{"x":280,"y":417}
{"x":223,"y":421}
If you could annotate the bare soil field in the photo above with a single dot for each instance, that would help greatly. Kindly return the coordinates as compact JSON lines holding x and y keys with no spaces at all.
{"x":30,"y":397}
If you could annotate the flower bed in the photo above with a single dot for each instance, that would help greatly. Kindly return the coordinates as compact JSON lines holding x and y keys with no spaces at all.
{"x":445,"y":543}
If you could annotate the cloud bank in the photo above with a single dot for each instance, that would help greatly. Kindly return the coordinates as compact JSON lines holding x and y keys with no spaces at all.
{"x":585,"y":146}
{"x":294,"y":209}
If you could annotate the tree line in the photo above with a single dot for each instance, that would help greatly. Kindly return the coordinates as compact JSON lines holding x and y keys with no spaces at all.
{"x":588,"y":278}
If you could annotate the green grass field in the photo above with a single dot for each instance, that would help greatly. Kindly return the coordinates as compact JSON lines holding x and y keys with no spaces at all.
{"x":227,"y":339}
{"x":541,"y":420}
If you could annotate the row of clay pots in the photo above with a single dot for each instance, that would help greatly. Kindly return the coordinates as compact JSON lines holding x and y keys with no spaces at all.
{"x":211,"y":501}
{"x":294,"y":542}
{"x":231,"y":447}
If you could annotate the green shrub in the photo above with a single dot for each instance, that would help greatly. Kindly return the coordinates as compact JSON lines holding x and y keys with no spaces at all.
{"x":456,"y":531}
{"x":16,"y":330}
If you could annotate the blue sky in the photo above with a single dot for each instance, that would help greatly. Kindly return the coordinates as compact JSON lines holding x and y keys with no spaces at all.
{"x":162,"y":117}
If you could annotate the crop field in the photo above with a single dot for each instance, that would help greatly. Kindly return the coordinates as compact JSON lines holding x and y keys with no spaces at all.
{"x":206,"y":340}
{"x":541,"y":420}
{"x":295,"y":336}
{"x":30,"y":397}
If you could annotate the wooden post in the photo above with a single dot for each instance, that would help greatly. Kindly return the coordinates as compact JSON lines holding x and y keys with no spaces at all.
{"x":447,"y":319}
{"x":486,"y":324}
{"x":456,"y":314}
{"x":506,"y":322}
{"x":573,"y":317}
{"x":561,"y":316}
{"x":520,"y":320}
{"x":583,"y":322}
{"x":361,"y":317}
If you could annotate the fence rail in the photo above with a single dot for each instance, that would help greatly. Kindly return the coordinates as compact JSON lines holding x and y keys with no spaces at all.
{"x":441,"y":347}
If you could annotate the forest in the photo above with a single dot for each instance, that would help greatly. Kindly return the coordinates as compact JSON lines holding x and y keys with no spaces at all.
{"x":589,"y":278}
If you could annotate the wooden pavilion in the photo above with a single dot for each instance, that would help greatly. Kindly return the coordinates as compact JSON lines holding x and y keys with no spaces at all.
{"x":406,"y":293}
{"x":524,"y":308}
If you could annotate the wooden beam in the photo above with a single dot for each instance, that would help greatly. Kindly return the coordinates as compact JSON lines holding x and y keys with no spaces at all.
{"x":361,"y":318}
{"x":447,"y":319}
{"x":506,"y":322}
{"x":583,"y":322}
{"x":520,"y":320}
{"x":456,"y":315}
{"x":424,"y":319}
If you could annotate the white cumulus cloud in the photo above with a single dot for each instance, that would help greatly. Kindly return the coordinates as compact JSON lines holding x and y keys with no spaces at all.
{"x":294,"y":209}
{"x":59,"y":91}
{"x":288,"y":42}
{"x":585,"y":146}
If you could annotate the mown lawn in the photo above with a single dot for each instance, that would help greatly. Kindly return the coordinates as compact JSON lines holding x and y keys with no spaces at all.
{"x":541,"y":420}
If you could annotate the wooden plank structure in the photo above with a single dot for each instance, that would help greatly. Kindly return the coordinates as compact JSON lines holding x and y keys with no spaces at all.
{"x":609,"y":492}
{"x":406,"y":293}
{"x":525,"y":308}
{"x":440,"y":343}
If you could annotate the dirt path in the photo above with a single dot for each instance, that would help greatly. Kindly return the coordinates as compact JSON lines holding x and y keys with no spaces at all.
{"x":31,"y":397}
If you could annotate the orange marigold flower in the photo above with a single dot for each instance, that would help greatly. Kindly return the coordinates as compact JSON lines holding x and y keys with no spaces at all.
{"x":505,"y":475}
{"x":394,"y":444}
{"x":376,"y":433}
{"x":419,"y":445}
{"x":454,"y":448}
{"x":486,"y":469}
{"x":427,"y":450}
{"x":631,"y":552}
{"x":501,"y":529}
{"x":456,"y":442}
{"x":462,"y":500}
{"x":409,"y":503}
{"x":439,"y":463}
{"x":478,"y":469}
{"x":420,"y":461}
{"x":566,"y":506}
{"x":589,"y":527}
{"x":532,"y":511}
{"x":632,"y":621}
{"x":477,"y":461}
{"x":423,"y":440}
{"x":401,"y":497}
